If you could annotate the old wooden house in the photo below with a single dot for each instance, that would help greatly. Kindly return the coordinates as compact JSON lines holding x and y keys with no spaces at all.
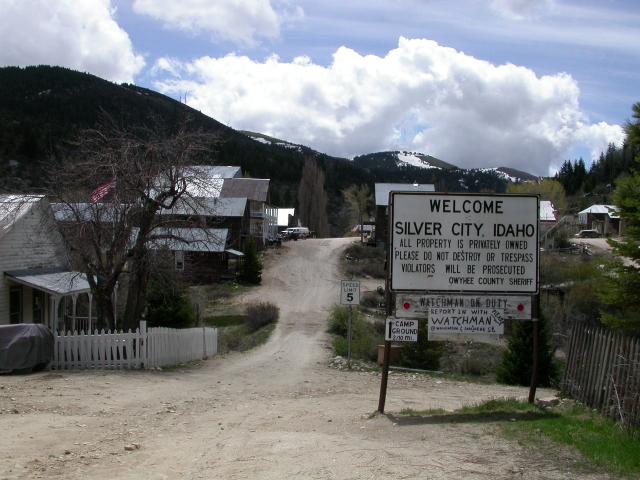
{"x":37,"y":284}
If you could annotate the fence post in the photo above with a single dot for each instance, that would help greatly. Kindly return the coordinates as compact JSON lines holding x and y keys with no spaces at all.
{"x":142,"y":344}
{"x":204,"y":343}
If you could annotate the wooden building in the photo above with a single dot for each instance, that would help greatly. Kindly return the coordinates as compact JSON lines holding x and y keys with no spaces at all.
{"x":37,"y":285}
{"x":382,"y":191}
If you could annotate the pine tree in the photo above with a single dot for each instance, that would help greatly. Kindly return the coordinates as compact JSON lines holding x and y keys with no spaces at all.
{"x":517,"y":361}
{"x":622,"y":284}
{"x":251,"y":271}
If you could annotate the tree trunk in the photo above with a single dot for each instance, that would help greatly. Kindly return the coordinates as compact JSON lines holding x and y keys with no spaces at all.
{"x":104,"y":307}
{"x":137,"y":288}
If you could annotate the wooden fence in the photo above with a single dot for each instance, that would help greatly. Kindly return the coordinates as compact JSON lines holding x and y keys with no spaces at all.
{"x":603,"y":372}
{"x":144,"y":348}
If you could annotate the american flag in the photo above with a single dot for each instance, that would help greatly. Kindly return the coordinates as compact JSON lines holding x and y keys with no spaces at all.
{"x":102,"y":191}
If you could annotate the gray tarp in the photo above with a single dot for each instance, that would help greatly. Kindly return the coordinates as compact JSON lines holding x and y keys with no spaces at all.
{"x":25,"y":346}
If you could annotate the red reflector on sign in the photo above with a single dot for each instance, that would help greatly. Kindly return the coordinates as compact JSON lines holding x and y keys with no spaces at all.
{"x":520,"y":307}
{"x":406,"y":305}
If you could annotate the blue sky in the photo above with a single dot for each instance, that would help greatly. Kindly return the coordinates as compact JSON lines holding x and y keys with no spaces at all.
{"x":521,"y":83}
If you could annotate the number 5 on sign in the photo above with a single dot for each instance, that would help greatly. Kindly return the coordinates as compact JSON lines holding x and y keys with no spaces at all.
{"x":349,"y":292}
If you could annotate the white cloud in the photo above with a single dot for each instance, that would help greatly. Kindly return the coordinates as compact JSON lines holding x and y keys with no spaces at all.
{"x":433,"y":98}
{"x":521,"y":9}
{"x":239,"y":21}
{"x":80,"y":35}
{"x":598,"y":136}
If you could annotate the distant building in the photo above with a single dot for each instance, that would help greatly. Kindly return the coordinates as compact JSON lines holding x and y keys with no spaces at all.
{"x":382,"y":191}
{"x":603,"y":218}
{"x":263,"y":219}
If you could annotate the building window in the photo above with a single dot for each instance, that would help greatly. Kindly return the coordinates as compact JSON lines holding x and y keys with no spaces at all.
{"x":15,"y":304}
{"x":179,"y":260}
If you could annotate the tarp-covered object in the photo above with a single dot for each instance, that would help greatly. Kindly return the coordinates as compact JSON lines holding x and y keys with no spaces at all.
{"x":25,"y":346}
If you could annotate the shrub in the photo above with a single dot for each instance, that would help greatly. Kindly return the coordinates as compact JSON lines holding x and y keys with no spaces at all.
{"x":251,"y":271}
{"x":371,"y":299}
{"x":365,"y":336}
{"x":516,"y":366}
{"x":422,"y":354}
{"x":364,"y":260}
{"x":260,"y":315}
{"x":169,"y":308}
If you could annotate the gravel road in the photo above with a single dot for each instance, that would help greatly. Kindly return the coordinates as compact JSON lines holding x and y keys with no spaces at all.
{"x":276,"y":412}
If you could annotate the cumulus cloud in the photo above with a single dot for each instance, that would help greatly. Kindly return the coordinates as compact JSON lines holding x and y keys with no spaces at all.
{"x":79,"y":35}
{"x":521,"y":9}
{"x":241,"y":22}
{"x":431,"y":98}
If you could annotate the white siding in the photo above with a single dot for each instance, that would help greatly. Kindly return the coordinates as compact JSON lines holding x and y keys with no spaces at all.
{"x":32,"y":242}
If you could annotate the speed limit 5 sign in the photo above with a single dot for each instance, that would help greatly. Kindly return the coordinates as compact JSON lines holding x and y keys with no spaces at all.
{"x":349,"y":292}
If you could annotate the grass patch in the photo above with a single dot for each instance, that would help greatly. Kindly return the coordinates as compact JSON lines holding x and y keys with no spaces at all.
{"x":217,"y":300}
{"x":601,"y":441}
{"x":224,"y":320}
{"x":240,"y":338}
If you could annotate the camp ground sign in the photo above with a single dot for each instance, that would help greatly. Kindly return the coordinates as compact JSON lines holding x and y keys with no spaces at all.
{"x":463,"y":243}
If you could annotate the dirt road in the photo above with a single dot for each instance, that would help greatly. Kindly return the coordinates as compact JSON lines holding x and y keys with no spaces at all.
{"x":276,"y":412}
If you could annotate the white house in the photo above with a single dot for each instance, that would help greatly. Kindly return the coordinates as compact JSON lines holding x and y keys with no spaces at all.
{"x":36,"y":285}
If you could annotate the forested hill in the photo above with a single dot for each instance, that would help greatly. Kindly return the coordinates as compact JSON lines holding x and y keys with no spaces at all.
{"x":43,"y":108}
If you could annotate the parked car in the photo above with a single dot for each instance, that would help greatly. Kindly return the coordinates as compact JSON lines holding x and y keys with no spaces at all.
{"x":588,"y":234}
{"x":297,"y":232}
{"x":25,"y":347}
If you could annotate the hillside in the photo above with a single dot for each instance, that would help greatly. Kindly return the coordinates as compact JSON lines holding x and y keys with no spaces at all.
{"x":42,"y":109}
{"x":410,"y":167}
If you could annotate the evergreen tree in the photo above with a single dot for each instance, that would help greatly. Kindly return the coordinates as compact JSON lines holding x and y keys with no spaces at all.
{"x":517,"y":361}
{"x":251,"y":271}
{"x":622,"y":284}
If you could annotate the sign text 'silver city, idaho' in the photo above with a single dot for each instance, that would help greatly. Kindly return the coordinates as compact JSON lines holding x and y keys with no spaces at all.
{"x":464,"y":242}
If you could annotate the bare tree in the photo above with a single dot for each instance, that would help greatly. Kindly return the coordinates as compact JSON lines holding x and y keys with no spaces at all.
{"x":360,"y":201}
{"x":312,"y":198}
{"x":139,"y":173}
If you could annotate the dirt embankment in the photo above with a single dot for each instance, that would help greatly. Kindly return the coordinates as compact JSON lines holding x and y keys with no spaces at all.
{"x":275,"y":412}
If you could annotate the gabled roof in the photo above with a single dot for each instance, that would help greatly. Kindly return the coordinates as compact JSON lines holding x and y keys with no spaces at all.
{"x":86,"y":212}
{"x":383,"y":189}
{"x":547,"y":211}
{"x":610,"y":210}
{"x":13,"y":208}
{"x":52,"y":281}
{"x":209,"y":207}
{"x":251,"y":188}
{"x":189,"y":239}
{"x":219,"y":171}
{"x":207,"y":180}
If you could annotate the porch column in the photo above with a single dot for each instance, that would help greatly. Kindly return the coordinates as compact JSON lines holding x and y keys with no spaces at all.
{"x":74,"y":299}
{"x":90,"y":304}
{"x":56,"y":305}
{"x":115,"y":307}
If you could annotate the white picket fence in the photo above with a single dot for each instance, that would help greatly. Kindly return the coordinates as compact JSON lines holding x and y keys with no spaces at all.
{"x":144,"y":348}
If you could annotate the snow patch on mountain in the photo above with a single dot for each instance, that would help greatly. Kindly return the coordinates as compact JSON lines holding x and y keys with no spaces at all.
{"x":501,"y":174}
{"x":279,"y":143}
{"x":412,"y":158}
